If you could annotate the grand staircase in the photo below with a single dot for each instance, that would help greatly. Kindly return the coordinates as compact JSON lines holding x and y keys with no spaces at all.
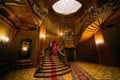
{"x":52,"y":66}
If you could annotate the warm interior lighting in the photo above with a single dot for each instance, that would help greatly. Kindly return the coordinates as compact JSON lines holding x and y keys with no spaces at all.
{"x":4,"y":39}
{"x":99,"y":41}
{"x":42,"y":36}
{"x":66,"y":7}
{"x":61,"y":34}
{"x":24,"y":48}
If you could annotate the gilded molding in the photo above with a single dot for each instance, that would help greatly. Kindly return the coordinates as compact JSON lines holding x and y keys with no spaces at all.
{"x":99,"y":13}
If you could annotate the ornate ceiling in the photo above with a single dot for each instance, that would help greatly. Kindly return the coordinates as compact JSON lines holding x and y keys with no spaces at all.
{"x":30,"y":14}
{"x":20,"y":14}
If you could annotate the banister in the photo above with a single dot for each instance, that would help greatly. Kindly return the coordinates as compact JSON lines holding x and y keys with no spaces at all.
{"x":63,"y":54}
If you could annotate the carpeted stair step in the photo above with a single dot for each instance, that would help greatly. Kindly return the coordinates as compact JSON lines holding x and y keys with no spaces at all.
{"x":54,"y":57}
{"x":53,"y":64}
{"x":49,"y":67}
{"x":53,"y":74}
{"x":54,"y":69}
{"x":49,"y":61}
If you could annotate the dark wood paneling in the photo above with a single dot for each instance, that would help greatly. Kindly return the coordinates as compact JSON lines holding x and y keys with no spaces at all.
{"x":86,"y":51}
{"x":112,"y":40}
{"x":70,"y":54}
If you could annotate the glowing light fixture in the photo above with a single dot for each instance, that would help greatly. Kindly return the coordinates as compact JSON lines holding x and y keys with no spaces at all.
{"x":61,"y":34}
{"x":4,"y":39}
{"x":25,"y":48}
{"x":42,"y":36}
{"x":66,"y":7}
{"x":99,"y":41}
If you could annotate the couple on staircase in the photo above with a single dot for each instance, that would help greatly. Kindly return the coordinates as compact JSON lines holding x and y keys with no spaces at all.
{"x":53,"y":48}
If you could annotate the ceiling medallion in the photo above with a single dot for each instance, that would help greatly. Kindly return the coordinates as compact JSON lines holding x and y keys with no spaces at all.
{"x":66,"y":7}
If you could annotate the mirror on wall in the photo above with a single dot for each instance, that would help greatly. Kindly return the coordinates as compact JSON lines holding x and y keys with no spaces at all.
{"x":25,"y":50}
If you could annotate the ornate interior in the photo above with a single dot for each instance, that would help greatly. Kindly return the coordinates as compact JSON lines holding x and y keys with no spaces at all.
{"x":28,"y":15}
{"x":90,"y":33}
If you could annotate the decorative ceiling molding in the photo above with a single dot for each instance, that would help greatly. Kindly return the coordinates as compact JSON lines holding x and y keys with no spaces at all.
{"x":7,"y":21}
{"x":102,"y":11}
{"x":22,"y":14}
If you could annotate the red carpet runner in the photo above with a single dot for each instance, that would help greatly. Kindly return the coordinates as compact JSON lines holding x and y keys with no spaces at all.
{"x":53,"y":66}
{"x":79,"y":74}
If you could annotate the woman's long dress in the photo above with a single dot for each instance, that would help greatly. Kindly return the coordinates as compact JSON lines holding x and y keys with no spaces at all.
{"x":54,"y":49}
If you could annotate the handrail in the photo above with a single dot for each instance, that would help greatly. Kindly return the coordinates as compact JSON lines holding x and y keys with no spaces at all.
{"x":63,"y":54}
{"x":60,"y":52}
{"x":59,"y":49}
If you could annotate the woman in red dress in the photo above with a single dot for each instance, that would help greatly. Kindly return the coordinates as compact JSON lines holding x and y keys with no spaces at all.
{"x":54,"y":48}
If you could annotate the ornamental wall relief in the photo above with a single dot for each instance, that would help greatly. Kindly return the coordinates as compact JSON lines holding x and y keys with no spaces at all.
{"x":68,"y":36}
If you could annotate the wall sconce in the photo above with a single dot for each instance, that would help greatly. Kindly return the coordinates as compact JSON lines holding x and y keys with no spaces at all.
{"x":61,"y":34}
{"x":99,"y":41}
{"x":4,"y":39}
{"x":43,"y":36}
{"x":25,"y":48}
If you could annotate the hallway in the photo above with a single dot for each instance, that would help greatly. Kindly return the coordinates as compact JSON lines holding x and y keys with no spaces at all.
{"x":97,"y":71}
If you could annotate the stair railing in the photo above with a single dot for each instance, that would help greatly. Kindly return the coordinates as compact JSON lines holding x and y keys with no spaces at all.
{"x":62,"y":52}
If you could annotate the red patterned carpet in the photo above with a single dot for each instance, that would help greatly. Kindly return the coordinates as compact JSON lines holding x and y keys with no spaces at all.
{"x":98,"y":71}
{"x":52,"y":66}
{"x":77,"y":73}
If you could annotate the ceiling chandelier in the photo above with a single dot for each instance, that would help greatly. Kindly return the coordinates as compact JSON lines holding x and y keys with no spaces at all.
{"x":66,"y":7}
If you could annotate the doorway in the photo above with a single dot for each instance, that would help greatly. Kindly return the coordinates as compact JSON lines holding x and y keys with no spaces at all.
{"x":25,"y":49}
